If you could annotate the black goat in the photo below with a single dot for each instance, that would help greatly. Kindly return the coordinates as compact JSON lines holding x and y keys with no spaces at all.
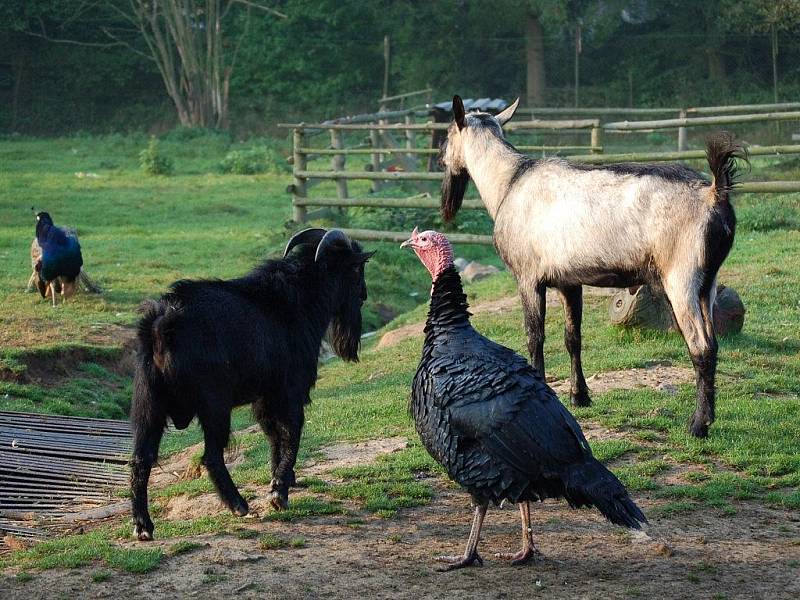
{"x":208,"y":346}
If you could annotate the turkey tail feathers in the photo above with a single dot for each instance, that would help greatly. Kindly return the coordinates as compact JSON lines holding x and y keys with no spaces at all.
{"x":591,"y":484}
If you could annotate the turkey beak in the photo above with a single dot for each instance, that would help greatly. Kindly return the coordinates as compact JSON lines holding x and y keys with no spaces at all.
{"x":409,"y":243}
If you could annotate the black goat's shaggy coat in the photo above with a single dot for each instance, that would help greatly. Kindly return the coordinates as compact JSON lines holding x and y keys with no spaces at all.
{"x":208,"y":346}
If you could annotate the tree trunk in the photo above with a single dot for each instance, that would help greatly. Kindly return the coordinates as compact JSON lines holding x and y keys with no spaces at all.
{"x":534,"y":52}
{"x":774,"y":36}
{"x":716,"y":65}
{"x":20,"y":72}
{"x":191,"y":59}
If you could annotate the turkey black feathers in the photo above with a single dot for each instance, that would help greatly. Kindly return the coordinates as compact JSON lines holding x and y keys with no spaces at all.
{"x":486,"y":415}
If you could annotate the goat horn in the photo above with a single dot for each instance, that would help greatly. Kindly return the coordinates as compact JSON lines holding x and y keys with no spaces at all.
{"x":331,"y":238}
{"x":312,"y":235}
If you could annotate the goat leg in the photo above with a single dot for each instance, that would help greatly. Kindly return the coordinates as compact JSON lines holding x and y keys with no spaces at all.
{"x":148,"y":428}
{"x":572,"y":299}
{"x":470,"y":555}
{"x":216,"y":432}
{"x":534,"y":307}
{"x":289,"y":443}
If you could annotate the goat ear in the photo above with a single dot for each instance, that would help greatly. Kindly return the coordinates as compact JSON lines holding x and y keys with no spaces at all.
{"x":505,"y":116}
{"x":459,"y":113}
{"x":363,"y":257}
{"x":308,"y":236}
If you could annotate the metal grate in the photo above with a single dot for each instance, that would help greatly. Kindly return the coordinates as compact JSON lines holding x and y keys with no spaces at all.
{"x":53,"y":468}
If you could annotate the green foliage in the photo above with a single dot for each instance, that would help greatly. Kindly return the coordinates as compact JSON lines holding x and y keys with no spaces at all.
{"x":326,"y":58}
{"x":102,"y":575}
{"x":152,"y":160}
{"x":258,"y":159}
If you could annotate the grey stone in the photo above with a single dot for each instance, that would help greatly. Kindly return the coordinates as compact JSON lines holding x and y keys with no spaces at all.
{"x":475,"y":271}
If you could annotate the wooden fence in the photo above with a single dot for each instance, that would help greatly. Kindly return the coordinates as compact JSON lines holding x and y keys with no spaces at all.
{"x":406,"y":150}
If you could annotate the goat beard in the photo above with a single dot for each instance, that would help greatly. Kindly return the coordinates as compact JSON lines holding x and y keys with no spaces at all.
{"x":454,"y":186}
{"x":345,"y":332}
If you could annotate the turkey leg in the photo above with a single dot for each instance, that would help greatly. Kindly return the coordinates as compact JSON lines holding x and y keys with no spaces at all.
{"x":528,"y":551}
{"x":471,"y":552}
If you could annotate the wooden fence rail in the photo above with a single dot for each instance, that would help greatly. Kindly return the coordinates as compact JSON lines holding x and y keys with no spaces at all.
{"x":403,"y":147}
{"x":432,"y":126}
{"x":698,"y":121}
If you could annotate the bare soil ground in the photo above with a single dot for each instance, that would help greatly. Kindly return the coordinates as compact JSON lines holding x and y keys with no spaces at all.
{"x":754,"y":553}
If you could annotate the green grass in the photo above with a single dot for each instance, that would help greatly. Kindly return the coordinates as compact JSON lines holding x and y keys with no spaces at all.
{"x":305,"y":507}
{"x":82,"y":550}
{"x":270,"y":541}
{"x":389,"y":484}
{"x":140,"y":233}
{"x":182,"y":547}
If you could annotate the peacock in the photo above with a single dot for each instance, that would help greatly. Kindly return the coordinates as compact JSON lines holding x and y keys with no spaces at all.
{"x":56,"y":258}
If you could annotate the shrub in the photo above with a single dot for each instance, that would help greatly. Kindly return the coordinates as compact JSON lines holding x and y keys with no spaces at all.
{"x":258,"y":159}
{"x":153,"y":162}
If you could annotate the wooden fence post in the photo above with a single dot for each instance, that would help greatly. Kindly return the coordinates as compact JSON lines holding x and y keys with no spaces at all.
{"x":596,"y":139}
{"x":683,"y":141}
{"x":338,"y":163}
{"x":299,"y":188}
{"x":374,"y":138}
{"x":411,"y":139}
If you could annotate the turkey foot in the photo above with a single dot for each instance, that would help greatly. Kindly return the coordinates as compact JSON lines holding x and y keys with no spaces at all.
{"x":459,"y":561}
{"x":470,"y":555}
{"x":523,"y":557}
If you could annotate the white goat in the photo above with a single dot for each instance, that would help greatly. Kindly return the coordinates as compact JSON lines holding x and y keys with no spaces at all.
{"x":563,"y":225}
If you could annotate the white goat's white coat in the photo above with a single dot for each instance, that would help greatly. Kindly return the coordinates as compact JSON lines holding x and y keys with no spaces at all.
{"x":565,"y":225}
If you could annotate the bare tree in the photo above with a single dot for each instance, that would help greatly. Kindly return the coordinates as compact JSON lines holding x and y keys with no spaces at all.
{"x":189,"y":44}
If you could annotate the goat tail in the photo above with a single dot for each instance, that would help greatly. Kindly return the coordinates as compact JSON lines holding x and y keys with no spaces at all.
{"x":722,"y":152}
{"x":591,"y":484}
{"x":154,"y":334}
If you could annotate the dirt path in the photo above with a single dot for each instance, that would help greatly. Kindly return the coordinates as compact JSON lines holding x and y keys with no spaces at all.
{"x":754,"y":554}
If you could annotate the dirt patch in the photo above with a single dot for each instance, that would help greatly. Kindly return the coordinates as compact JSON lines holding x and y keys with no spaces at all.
{"x":184,"y":508}
{"x":662,"y":377}
{"x":752,"y":554}
{"x":51,"y":369}
{"x":347,"y":454}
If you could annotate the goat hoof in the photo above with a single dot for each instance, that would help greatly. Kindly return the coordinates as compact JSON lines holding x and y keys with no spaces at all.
{"x":699,"y":428}
{"x":580,"y":399}
{"x":278,"y":501}
{"x":143,"y":533}
{"x":240,"y":509}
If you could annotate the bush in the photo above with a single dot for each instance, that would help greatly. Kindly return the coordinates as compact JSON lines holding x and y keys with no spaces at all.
{"x":189,"y":134}
{"x":153,"y":162}
{"x":258,"y":159}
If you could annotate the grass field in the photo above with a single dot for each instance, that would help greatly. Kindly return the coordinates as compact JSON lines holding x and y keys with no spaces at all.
{"x":140,"y":233}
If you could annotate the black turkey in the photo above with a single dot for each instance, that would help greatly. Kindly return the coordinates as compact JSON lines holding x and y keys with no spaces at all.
{"x":497,"y":428}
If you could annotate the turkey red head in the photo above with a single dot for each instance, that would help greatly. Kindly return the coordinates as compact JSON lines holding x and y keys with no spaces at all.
{"x":433,"y":249}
